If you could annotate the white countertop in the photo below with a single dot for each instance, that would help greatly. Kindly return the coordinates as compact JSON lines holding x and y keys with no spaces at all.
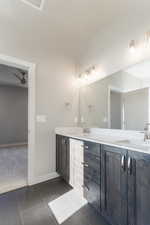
{"x":130,"y":140}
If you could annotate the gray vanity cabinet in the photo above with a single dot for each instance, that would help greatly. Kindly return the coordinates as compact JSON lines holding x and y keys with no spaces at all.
{"x":114,"y":185}
{"x":62,"y":156}
{"x":116,"y":181}
{"x":138,"y":188}
{"x":92,"y":172}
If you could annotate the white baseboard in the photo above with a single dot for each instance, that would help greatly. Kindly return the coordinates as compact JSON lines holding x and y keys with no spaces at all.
{"x":13,"y":186}
{"x":40,"y":179}
{"x":43,"y":178}
{"x":13,"y":145}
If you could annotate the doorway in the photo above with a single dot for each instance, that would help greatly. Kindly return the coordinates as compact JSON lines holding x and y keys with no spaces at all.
{"x":21,"y":156}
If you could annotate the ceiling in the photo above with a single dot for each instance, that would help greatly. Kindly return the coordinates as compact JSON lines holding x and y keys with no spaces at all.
{"x":66,"y":26}
{"x":140,"y":70}
{"x":62,"y":25}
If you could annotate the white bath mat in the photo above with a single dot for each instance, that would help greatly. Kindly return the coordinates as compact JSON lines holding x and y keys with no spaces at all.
{"x":66,"y":205}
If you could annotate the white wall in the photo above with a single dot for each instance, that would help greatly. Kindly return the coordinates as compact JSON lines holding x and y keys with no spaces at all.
{"x":54,"y":86}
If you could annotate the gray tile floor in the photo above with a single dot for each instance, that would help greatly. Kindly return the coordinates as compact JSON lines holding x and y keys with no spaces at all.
{"x":13,"y":168}
{"x":29,"y":206}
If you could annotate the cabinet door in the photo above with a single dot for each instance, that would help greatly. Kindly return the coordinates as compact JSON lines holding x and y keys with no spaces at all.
{"x":138,"y":189}
{"x":114,"y":185}
{"x":62,"y":156}
{"x":92,"y":174}
{"x":65,"y":158}
{"x":58,"y":153}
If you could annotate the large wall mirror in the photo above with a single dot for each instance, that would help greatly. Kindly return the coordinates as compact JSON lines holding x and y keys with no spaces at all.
{"x":118,"y":101}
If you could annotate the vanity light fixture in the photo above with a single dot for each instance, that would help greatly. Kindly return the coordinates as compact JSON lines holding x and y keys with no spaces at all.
{"x":87,"y":77}
{"x":94,"y":72}
{"x":80,"y":81}
{"x":132,"y":46}
{"x":147,"y":39}
{"x":89,"y":73}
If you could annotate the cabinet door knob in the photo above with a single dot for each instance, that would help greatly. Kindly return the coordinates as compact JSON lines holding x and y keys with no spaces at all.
{"x":86,"y":147}
{"x":85,"y":187}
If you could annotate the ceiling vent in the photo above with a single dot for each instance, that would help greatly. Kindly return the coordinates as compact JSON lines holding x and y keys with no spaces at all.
{"x":37,"y":4}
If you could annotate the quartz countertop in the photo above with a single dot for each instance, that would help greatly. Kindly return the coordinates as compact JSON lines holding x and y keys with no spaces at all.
{"x":130,"y":140}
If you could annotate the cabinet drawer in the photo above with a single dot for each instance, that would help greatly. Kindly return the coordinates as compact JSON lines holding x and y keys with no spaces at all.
{"x":92,"y":166}
{"x":92,"y":148}
{"x":92,"y":174}
{"x":92,"y":160}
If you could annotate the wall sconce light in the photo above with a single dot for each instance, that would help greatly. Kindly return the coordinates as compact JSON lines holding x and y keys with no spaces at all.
{"x":90,"y":107}
{"x":132,"y":46}
{"x":68,"y":105}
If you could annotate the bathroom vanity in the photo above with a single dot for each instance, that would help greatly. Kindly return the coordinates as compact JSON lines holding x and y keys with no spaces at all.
{"x":116,"y":173}
{"x":111,"y":166}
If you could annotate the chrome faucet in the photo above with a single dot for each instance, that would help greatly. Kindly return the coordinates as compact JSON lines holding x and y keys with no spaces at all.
{"x":147,"y":132}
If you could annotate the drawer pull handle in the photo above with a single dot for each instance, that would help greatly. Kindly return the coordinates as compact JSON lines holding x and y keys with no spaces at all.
{"x":123,"y":162}
{"x":85,"y":164}
{"x":64,"y":141}
{"x":86,"y":187}
{"x":130,"y":165}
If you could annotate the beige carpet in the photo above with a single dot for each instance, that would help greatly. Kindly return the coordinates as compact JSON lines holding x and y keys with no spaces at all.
{"x":13,"y":168}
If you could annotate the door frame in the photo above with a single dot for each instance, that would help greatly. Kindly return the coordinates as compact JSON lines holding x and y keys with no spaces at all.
{"x":31,"y":68}
{"x":118,"y":90}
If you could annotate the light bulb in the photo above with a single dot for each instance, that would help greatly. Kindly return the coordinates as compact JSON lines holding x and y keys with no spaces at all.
{"x":86,"y":75}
